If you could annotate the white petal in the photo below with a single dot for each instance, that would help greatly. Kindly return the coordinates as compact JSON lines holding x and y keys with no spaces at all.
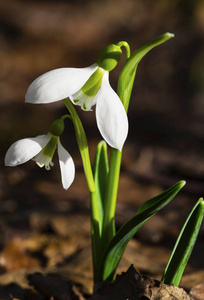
{"x":25,"y":149}
{"x":67,"y":167}
{"x":111,"y":117}
{"x":58,"y":84}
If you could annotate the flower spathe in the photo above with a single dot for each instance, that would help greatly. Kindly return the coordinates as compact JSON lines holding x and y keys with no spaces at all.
{"x":85,"y":87}
{"x":41,"y":149}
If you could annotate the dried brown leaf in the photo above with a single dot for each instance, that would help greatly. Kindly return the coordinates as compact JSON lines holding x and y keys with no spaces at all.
{"x":197,"y":292}
{"x":133,"y":286}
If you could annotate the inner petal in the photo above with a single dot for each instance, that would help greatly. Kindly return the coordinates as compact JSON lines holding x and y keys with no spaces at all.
{"x":43,"y":160}
{"x":85,"y":97}
{"x":44,"y":157}
{"x":93,"y":84}
{"x":86,"y":102}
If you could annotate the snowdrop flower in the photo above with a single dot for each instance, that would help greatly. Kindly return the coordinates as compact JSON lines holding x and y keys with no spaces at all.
{"x":41,"y":149}
{"x":87,"y":87}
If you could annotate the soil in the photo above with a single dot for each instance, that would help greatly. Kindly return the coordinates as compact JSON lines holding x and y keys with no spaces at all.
{"x":45,"y":247}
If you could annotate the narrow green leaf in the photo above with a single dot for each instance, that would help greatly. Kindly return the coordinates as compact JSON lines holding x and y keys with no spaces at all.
{"x":100,"y":173}
{"x":184,"y":245}
{"x":119,"y":242}
{"x":127,"y":75}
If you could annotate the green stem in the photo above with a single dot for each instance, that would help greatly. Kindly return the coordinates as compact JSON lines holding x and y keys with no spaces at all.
{"x":127,"y":48}
{"x":113,"y":180}
{"x":83,"y":145}
{"x":111,"y":196}
{"x":84,"y":151}
{"x":66,"y":117}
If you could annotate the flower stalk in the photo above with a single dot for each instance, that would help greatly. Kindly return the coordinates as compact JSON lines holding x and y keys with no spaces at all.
{"x":84,"y":151}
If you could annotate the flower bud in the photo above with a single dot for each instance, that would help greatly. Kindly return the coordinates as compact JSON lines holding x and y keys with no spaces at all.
{"x":109,"y":57}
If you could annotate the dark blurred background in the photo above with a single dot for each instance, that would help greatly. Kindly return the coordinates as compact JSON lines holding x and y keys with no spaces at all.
{"x":166,"y":116}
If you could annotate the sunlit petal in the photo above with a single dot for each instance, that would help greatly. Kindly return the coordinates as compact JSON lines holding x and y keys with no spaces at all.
{"x":58,"y":84}
{"x":67,"y":167}
{"x":111,"y":117}
{"x":25,"y":149}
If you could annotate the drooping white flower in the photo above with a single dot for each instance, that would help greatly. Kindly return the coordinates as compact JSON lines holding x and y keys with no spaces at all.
{"x":87,"y":87}
{"x":41,"y":149}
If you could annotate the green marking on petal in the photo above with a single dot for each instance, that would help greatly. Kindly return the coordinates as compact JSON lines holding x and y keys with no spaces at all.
{"x":84,"y":106}
{"x":48,"y":165}
{"x":43,"y":160}
{"x":93,"y":84}
{"x":76,"y":101}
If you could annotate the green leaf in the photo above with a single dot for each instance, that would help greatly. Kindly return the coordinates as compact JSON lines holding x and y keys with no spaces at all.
{"x":127,"y":75}
{"x":100,"y":173}
{"x":184,"y":245}
{"x":119,"y":242}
